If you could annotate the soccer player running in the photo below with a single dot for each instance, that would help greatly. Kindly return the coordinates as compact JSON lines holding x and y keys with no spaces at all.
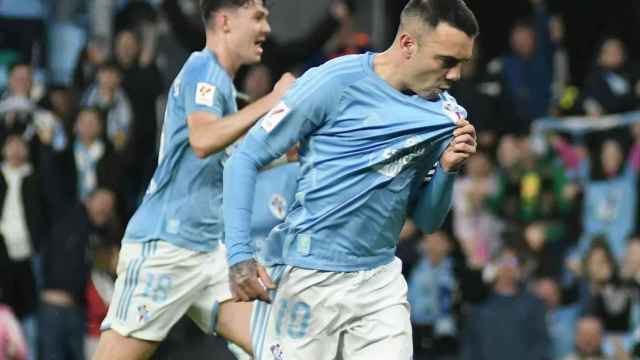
{"x":370,"y":129}
{"x":172,"y":262}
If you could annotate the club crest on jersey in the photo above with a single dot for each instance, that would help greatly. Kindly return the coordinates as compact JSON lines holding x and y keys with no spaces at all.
{"x":392,"y":164}
{"x":278,"y":206}
{"x":143,"y":313}
{"x":205,"y":93}
{"x":453,"y":110}
{"x":276,"y":351}
{"x":274,"y":117}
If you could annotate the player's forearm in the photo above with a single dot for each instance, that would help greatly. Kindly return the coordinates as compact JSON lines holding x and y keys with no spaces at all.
{"x":434,"y":202}
{"x":215,"y":136}
{"x":239,"y":181}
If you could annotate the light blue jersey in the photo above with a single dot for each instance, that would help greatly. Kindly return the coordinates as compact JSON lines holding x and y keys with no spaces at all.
{"x":365,"y":150}
{"x":274,"y":195}
{"x":183,"y":203}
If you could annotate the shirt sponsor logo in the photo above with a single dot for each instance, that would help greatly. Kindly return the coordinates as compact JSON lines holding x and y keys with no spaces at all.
{"x":204,"y":94}
{"x":274,"y":117}
{"x":392,"y":164}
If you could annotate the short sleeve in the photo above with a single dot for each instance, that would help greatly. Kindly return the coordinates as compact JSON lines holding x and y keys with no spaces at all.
{"x":205,"y":95}
{"x":309,"y":104}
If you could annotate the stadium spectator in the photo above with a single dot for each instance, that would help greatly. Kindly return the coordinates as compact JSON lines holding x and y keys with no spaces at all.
{"x":561,"y":318}
{"x":510,"y":323}
{"x":67,"y":259}
{"x":257,"y":82}
{"x":527,"y":70}
{"x":108,"y":96}
{"x":610,"y":187}
{"x":474,"y":224}
{"x":22,"y":226}
{"x":143,"y":84}
{"x":94,"y":55}
{"x":60,"y":101}
{"x":87,"y":164}
{"x":589,"y":342}
{"x":611,"y":300}
{"x":613,"y":86}
{"x":16,"y":105}
{"x":542,"y":256}
{"x":432,"y":288}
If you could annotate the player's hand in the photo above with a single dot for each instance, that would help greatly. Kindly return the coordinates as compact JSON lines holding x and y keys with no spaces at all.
{"x":250,"y":281}
{"x":461,"y":147}
{"x":283,"y":85}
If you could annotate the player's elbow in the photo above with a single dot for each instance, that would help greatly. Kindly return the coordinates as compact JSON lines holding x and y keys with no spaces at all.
{"x":199,"y":147}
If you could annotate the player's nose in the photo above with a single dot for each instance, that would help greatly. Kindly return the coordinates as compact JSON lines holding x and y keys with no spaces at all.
{"x":266,"y":28}
{"x":454,"y":73}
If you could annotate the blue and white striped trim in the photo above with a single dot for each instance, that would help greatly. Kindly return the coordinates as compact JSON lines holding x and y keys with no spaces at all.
{"x":431,"y":172}
{"x":132,"y":277}
{"x":262,"y":313}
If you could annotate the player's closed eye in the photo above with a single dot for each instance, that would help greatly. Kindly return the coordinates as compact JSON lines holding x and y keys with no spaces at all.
{"x":448,"y":63}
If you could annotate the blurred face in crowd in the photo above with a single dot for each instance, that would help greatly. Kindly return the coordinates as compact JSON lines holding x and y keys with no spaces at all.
{"x":611,"y":157}
{"x":100,"y":206}
{"x":258,"y":82}
{"x":15,"y":151}
{"x":97,"y":50}
{"x":508,"y":152}
{"x":479,"y":166}
{"x":109,"y":79}
{"x":20,"y":81}
{"x":612,"y":54}
{"x":88,"y":126}
{"x":632,"y":257}
{"x":599,"y":269}
{"x":245,"y":28}
{"x":548,"y":290}
{"x":61,"y":102}
{"x":127,"y":48}
{"x":588,"y":336}
{"x":535,"y":236}
{"x":434,"y":56}
{"x":508,"y":267}
{"x":436,"y":246}
{"x":523,"y":41}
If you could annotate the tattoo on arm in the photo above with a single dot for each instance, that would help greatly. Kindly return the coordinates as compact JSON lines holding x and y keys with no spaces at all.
{"x":242,"y":271}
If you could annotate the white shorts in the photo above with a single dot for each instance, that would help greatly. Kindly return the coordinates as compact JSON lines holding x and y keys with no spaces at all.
{"x":159,"y":282}
{"x":334,"y":315}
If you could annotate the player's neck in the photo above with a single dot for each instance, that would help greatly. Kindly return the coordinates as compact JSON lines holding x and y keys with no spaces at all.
{"x":386,"y":65}
{"x":218,"y":47}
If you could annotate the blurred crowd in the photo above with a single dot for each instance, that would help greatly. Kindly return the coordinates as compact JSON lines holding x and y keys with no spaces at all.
{"x":539,"y":258}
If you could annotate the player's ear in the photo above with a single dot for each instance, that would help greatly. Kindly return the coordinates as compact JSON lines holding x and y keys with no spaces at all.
{"x":408,"y":45}
{"x":221,"y":19}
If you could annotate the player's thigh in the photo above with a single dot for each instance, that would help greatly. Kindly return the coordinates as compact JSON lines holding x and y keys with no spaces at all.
{"x":384,"y":335}
{"x":382,"y":329}
{"x":234,"y":323}
{"x":113,"y":346}
{"x":304,"y":319}
{"x":156,"y":284}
